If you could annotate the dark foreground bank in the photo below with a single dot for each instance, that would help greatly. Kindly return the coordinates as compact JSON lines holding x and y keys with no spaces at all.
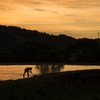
{"x":75,"y":85}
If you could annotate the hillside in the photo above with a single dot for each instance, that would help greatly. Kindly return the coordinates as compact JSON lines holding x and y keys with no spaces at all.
{"x":15,"y":35}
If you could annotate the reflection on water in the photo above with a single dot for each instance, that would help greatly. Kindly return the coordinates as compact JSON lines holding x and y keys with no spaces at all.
{"x":16,"y":71}
{"x":49,"y":68}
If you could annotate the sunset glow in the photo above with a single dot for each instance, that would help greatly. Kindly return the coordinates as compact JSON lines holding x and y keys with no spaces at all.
{"x":76,"y":18}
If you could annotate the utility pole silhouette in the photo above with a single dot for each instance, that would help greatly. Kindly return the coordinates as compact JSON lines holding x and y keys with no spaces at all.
{"x":98,"y":35}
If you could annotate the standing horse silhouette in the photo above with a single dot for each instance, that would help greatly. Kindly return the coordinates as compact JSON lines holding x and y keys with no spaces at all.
{"x":28,"y":69}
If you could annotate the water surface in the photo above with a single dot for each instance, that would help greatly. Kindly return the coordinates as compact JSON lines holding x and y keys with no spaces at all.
{"x":14,"y":72}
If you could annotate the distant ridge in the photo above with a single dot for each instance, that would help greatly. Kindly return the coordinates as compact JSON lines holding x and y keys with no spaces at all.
{"x":12,"y":35}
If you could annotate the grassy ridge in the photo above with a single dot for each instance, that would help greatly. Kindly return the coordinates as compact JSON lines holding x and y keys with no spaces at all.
{"x":75,"y":85}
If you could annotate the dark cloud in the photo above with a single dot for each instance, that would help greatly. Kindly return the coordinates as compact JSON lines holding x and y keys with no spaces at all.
{"x":12,"y":9}
{"x":2,"y":9}
{"x":70,"y":15}
{"x":55,"y":12}
{"x":35,"y":3}
{"x":40,"y":9}
{"x":77,"y":7}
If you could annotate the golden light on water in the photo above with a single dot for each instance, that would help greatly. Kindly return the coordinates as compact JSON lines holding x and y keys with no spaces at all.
{"x":14,"y":72}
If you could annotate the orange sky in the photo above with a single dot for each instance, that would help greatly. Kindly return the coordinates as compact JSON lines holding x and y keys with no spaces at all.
{"x":76,"y":18}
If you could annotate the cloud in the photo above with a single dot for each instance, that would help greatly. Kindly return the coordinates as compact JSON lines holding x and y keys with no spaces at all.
{"x":77,"y":7}
{"x":40,"y":9}
{"x":70,"y":15}
{"x":77,"y":3}
{"x":78,"y":34}
{"x":2,"y":9}
{"x":35,"y":3}
{"x":55,"y":12}
{"x":63,"y":3}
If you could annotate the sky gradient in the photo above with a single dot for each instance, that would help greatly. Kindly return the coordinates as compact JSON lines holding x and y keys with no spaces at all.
{"x":76,"y":18}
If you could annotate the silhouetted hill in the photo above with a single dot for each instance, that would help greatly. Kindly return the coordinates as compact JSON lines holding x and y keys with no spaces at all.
{"x":7,"y":38}
{"x":11,"y":35}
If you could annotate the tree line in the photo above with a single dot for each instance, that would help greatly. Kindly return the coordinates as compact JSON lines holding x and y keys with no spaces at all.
{"x":85,"y":50}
